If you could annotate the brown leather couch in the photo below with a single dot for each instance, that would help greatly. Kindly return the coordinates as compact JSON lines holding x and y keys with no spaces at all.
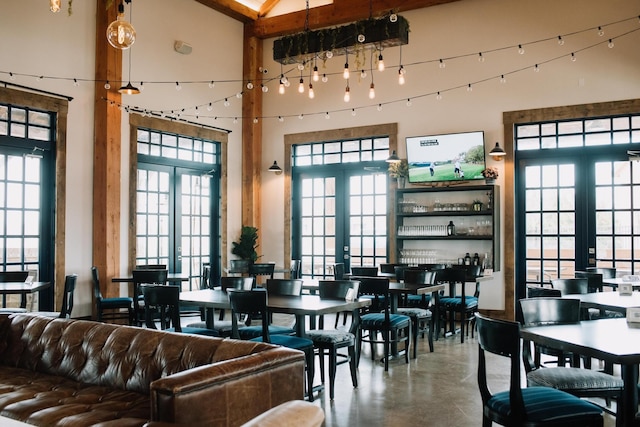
{"x":81,"y":373}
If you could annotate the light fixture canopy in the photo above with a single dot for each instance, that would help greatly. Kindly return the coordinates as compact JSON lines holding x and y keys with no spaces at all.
{"x":393,"y":158}
{"x":497,"y":152}
{"x":121,"y":33}
{"x":129,"y":89}
{"x":275,"y":168}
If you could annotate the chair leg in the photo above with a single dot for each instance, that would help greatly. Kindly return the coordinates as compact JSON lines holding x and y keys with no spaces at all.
{"x":386,"y":334}
{"x":353,"y":366}
{"x":321,"y":360}
{"x":416,"y":321}
{"x":407,"y":344}
{"x":333,"y":360}
{"x":309,"y":353}
{"x":430,"y":334}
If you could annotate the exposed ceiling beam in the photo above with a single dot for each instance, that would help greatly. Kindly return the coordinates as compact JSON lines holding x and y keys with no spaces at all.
{"x":338,"y":13}
{"x":233,"y":9}
{"x":267,"y":6}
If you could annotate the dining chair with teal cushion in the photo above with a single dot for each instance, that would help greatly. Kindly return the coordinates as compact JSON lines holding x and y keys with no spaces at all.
{"x":338,"y":271}
{"x":250,"y":330}
{"x":460,"y":305}
{"x":417,"y":307}
{"x":254,"y":303}
{"x":162,"y":306}
{"x":530,"y":406}
{"x":111,"y":309}
{"x":333,"y":340}
{"x":261,"y":271}
{"x":578,"y":381}
{"x":395,"y":328}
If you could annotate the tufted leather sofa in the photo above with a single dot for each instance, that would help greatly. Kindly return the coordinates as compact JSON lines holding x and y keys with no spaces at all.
{"x":59,"y":372}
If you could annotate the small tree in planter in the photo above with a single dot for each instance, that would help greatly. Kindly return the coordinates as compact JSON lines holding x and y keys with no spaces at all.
{"x":245,"y":247}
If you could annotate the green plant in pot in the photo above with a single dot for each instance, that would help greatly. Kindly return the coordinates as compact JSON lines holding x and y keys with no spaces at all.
{"x":399,"y":171}
{"x":245,"y":249}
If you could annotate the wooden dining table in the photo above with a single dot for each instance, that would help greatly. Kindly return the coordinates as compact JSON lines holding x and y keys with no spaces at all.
{"x":23,"y":289}
{"x":300,"y":306}
{"x":612,"y":340}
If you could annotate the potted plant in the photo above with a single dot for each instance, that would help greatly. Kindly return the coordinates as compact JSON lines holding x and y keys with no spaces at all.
{"x":399,"y":171}
{"x":245,"y":249}
{"x":490,"y":174}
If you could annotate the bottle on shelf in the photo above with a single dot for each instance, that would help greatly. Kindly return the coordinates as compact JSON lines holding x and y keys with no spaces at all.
{"x":476,"y":259}
{"x":467,"y":259}
{"x":451,"y":229}
{"x":486,"y":262}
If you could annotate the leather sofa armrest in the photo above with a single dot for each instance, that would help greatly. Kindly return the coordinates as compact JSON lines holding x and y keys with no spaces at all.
{"x":224,"y":393}
{"x":295,"y":413}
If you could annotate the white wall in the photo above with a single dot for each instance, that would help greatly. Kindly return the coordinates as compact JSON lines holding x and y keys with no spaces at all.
{"x":37,"y":42}
{"x":454,"y":30}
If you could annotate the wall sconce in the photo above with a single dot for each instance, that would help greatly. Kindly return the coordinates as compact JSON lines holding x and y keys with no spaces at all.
{"x":497,"y":152}
{"x":393,"y":158}
{"x":275,"y":168}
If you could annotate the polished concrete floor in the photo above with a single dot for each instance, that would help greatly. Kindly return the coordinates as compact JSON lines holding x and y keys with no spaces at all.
{"x":436,"y":389}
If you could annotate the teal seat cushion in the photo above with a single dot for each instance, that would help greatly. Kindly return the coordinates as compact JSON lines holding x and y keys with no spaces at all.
{"x":249,"y":332}
{"x":116,"y":302}
{"x":289,"y":341}
{"x":413,"y":300}
{"x":456,"y":301}
{"x":545,"y":404}
{"x":377,"y":321}
{"x":335,"y":336}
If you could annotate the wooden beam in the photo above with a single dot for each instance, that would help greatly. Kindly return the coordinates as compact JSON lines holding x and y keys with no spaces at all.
{"x":231,"y":8}
{"x":338,"y":13}
{"x":106,"y":154}
{"x":251,"y":132}
{"x":267,"y":6}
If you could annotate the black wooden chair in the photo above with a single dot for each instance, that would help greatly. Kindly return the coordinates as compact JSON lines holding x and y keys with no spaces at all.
{"x":395,"y":328}
{"x":111,"y":309}
{"x":530,"y":406}
{"x":338,"y":271}
{"x":575,"y":380}
{"x":162,"y":305}
{"x":67,"y":299}
{"x":459,"y":305}
{"x":333,"y":340}
{"x":254,"y":304}
{"x":295,"y":269}
{"x":260,"y":271}
{"x":417,"y":307}
{"x":150,"y":276}
{"x":364,"y":271}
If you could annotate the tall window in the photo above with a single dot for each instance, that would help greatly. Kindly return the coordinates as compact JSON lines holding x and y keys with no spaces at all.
{"x":27,"y":177}
{"x":578,"y":196}
{"x":177,"y":202}
{"x":339,"y":209}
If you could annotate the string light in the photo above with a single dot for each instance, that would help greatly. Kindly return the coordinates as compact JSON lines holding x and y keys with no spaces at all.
{"x":327,"y":116}
{"x":379,"y":107}
{"x":311,"y":93}
{"x":107,"y":86}
{"x":226,"y":102}
{"x":211,"y":84}
{"x":536,"y":68}
{"x":54,"y":6}
{"x":401,"y":75}
{"x":301,"y":86}
{"x":249,"y":85}
{"x":363,"y":74}
{"x":503,"y":79}
{"x":347,"y":93}
{"x":235,"y":120}
{"x":76,"y":83}
{"x":301,"y":116}
{"x":380,"y":62}
{"x":409,"y":103}
{"x":141,"y":88}
{"x":469,"y":88}
{"x":573,"y":57}
{"x":520,"y":49}
{"x":13,"y":78}
{"x":560,"y":40}
{"x":442,"y":65}
{"x":610,"y":44}
{"x":600,"y":31}
{"x":264,"y":88}
{"x":480,"y":57}
{"x":281,"y":87}
{"x":239,"y":95}
{"x":255,"y":120}
{"x":439,"y":96}
{"x":280,"y":119}
{"x":353,"y":112}
{"x":325,"y":78}
{"x":178,"y":87}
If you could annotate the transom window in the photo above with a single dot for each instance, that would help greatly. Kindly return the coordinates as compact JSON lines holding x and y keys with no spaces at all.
{"x":326,"y":153}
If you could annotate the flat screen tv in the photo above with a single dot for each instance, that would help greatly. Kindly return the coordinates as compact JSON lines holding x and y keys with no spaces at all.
{"x":448,"y":157}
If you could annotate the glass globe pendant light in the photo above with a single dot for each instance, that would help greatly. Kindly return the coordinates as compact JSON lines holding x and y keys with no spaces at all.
{"x":121,"y":33}
{"x":54,"y":5}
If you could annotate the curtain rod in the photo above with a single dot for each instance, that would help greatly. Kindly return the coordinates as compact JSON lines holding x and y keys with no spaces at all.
{"x":44,"y":92}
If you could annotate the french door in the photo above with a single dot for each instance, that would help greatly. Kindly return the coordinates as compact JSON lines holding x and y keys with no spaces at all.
{"x":174,"y":221}
{"x":577,"y":211}
{"x":339,"y":215}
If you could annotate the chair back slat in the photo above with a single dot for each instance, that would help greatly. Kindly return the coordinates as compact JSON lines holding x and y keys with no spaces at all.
{"x":235,"y":282}
{"x":338,"y":271}
{"x":337,"y":289}
{"x":285,"y":287}
{"x":13,"y":276}
{"x":251,"y":303}
{"x":161,"y":301}
{"x":550,"y":311}
{"x":364,"y":271}
{"x":571,"y":286}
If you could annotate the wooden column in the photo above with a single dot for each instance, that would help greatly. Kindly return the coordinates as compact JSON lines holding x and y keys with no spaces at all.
{"x":107,"y":154}
{"x":251,"y":132}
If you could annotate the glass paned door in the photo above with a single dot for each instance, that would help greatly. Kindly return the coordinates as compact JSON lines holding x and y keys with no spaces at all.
{"x":341,"y":217}
{"x":173,"y":220}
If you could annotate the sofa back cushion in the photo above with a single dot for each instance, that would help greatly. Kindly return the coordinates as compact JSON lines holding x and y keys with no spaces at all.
{"x":124,"y":357}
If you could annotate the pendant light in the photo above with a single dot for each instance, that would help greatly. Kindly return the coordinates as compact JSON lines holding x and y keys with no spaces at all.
{"x":121,"y":33}
{"x":54,"y":5}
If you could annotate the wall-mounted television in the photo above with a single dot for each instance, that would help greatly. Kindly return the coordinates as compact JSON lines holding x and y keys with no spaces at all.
{"x":447,"y":157}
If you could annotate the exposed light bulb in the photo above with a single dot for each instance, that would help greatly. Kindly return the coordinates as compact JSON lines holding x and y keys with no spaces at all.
{"x":347,"y":94}
{"x":442,"y":64}
{"x":361,"y":38}
{"x":401,"y":76}
{"x":520,"y":49}
{"x":345,"y":73}
{"x":379,"y":107}
{"x":226,"y":102}
{"x":249,"y":85}
{"x":13,"y":78}
{"x":327,"y":116}
{"x":439,"y":96}
{"x":393,"y":17}
{"x":328,"y":54}
{"x":210,"y":107}
{"x":311,"y":93}
{"x":353,"y":112}
{"x":560,"y":40}
{"x":503,"y":79}
{"x":280,"y":119}
{"x":178,"y":87}
{"x":121,"y":33}
{"x":610,"y":45}
{"x":536,"y":68}
{"x":76,"y":83}
{"x":480,"y":57}
{"x":573,"y":57}
{"x":380,"y":63}
{"x":301,"y":116}
{"x":107,"y":85}
{"x":316,"y":76}
{"x":469,"y":88}
{"x":211,"y":84}
{"x":264,"y":88}
{"x":239,"y":95}
{"x":363,"y":74}
{"x":372,"y":91}
{"x":54,"y":5}
{"x":301,"y":86}
{"x":141,"y":88}
{"x":600,"y":31}
{"x":409,"y":103}
{"x":301,"y":66}
{"x":281,"y":88}
{"x":255,"y":120}
{"x":235,"y":120}
{"x":325,"y":78}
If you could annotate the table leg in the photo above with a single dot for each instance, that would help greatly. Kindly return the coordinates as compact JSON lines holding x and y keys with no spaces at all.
{"x":629,"y":404}
{"x":209,"y":314}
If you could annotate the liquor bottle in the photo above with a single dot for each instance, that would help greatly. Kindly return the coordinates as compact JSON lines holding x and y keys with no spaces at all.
{"x":451,"y":229}
{"x":467,"y":259}
{"x":476,"y":259}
